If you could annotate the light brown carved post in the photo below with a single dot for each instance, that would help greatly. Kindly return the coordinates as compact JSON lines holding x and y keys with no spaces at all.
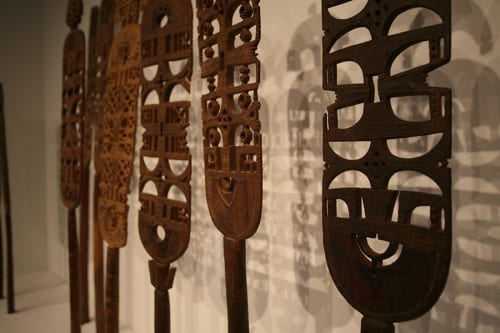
{"x":5,"y":201}
{"x":165,"y":162}
{"x":118,"y":144}
{"x":405,"y":280}
{"x":71,"y":144}
{"x":232,"y":138}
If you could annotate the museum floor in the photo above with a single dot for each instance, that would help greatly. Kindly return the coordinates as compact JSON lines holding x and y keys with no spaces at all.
{"x":42,"y":304}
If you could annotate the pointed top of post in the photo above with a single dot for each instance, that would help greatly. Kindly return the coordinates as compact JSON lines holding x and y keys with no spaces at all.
{"x":74,"y":13}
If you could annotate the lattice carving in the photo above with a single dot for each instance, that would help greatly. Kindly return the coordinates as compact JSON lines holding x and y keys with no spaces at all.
{"x":119,"y":126}
{"x":72,"y":145}
{"x":73,"y":110}
{"x":231,"y":127}
{"x":97,"y":77}
{"x":403,"y":281}
{"x":165,"y":158}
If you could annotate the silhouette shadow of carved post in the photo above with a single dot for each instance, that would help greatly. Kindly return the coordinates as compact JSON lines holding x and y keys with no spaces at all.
{"x":165,"y":161}
{"x":5,"y":202}
{"x":118,"y":146}
{"x":229,"y":33}
{"x":403,"y":280}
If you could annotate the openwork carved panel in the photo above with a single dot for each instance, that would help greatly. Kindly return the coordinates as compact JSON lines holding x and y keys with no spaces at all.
{"x":229,"y":32}
{"x":165,"y":192}
{"x":411,"y":222}
{"x":100,"y":40}
{"x":119,"y":126}
{"x":73,"y":108}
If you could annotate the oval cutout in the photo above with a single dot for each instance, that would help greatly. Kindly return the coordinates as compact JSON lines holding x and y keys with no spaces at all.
{"x":176,"y":194}
{"x":351,"y":178}
{"x":178,"y":167}
{"x":152,"y":98}
{"x":353,"y":37}
{"x":244,"y":73}
{"x":150,"y":188}
{"x":413,"y":181}
{"x":178,"y":94}
{"x":350,"y":150}
{"x":244,"y":136}
{"x":177,"y":66}
{"x":377,"y":245}
{"x":349,"y":72}
{"x":412,"y":108}
{"x":420,"y":217}
{"x":415,"y":18}
{"x":414,"y":56}
{"x":163,"y":21}
{"x":151,"y":162}
{"x":349,"y":116}
{"x":348,"y":9}
{"x":161,"y":233}
{"x":413,"y":147}
{"x":242,"y":101}
{"x":392,"y":259}
{"x":150,"y":72}
{"x":342,"y":209}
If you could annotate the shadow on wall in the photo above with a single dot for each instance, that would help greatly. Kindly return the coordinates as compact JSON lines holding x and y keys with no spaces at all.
{"x":470,"y":302}
{"x":471,"y":299}
{"x":307,"y":103}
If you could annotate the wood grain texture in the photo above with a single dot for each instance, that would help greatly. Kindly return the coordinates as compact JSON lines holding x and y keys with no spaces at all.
{"x":5,"y":203}
{"x":229,"y":33}
{"x":119,"y":126}
{"x":165,"y":161}
{"x":72,"y":141}
{"x":118,"y":145}
{"x":230,"y":112}
{"x":100,"y":39}
{"x":403,"y":281}
{"x":97,"y":102}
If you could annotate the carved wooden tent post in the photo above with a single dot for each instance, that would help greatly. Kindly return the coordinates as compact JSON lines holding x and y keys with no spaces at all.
{"x":404,"y":281}
{"x":5,"y":203}
{"x":71,"y":144}
{"x":118,"y":144}
{"x":100,"y":39}
{"x":232,"y":138}
{"x":165,"y":163}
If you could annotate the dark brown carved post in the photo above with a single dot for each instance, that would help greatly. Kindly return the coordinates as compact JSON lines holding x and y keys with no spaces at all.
{"x":71,"y":144}
{"x":102,"y":21}
{"x":232,"y":138}
{"x":118,"y":144}
{"x":101,"y":37}
{"x":165,"y":163}
{"x":89,"y":124}
{"x":5,"y":201}
{"x":403,"y":281}
{"x":3,"y":134}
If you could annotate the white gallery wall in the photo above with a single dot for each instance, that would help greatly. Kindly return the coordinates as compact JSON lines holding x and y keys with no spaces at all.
{"x":290,"y":289}
{"x":21,"y":72}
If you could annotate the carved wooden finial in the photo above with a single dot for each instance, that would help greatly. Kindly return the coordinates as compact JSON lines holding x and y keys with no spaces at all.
{"x":74,"y":13}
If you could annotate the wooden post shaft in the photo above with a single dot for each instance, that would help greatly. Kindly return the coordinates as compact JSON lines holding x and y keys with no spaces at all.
{"x":236,"y":285}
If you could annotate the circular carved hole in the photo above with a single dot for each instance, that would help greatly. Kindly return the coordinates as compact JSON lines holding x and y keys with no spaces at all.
{"x":161,"y":232}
